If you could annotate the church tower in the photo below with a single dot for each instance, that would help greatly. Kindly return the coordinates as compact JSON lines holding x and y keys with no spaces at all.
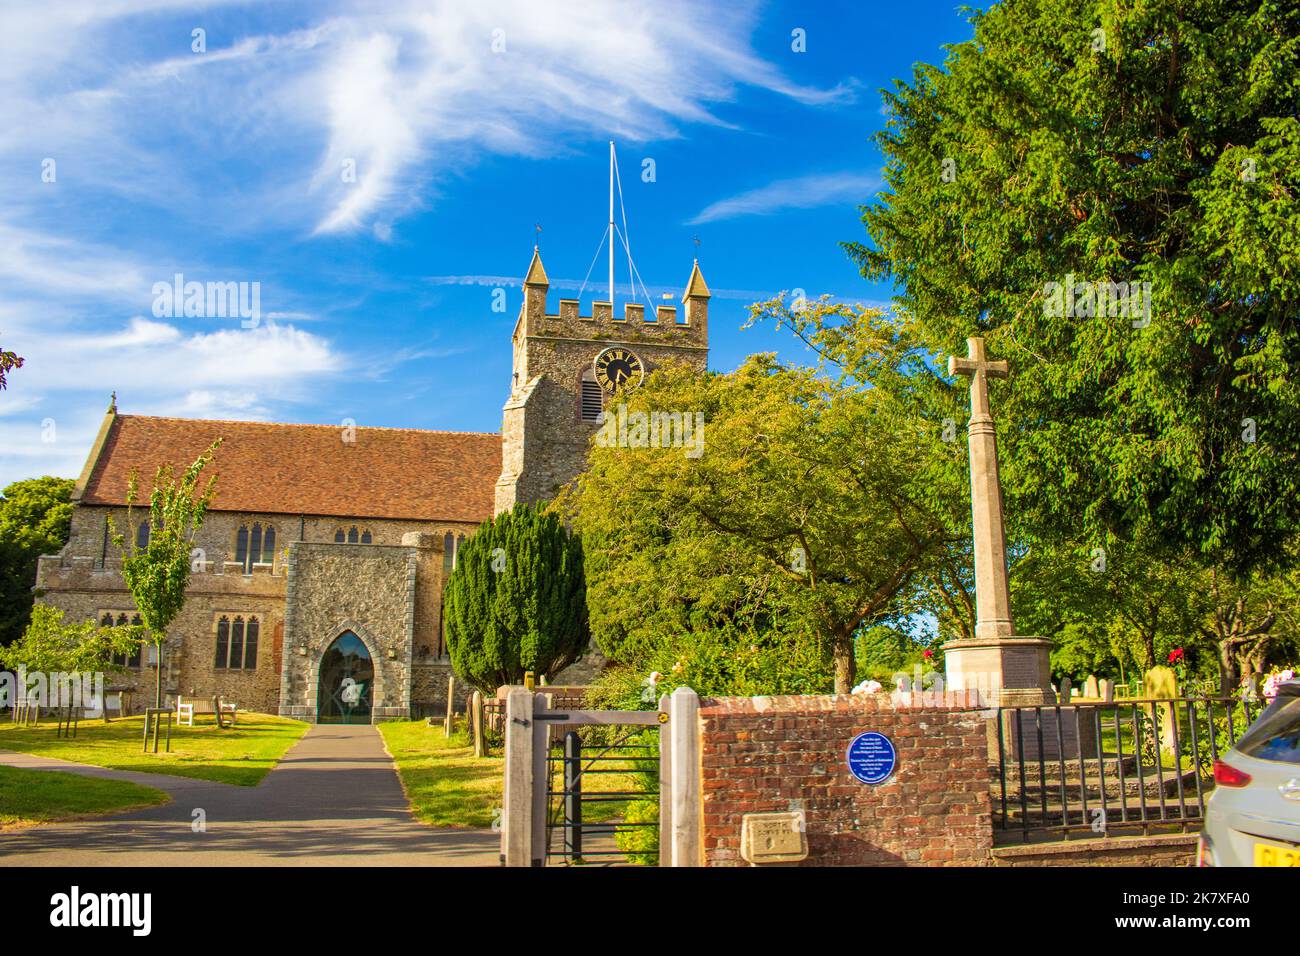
{"x":567,"y":366}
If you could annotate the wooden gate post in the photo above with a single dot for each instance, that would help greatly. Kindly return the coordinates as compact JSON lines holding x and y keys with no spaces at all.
{"x":540,"y":778}
{"x":449,"y":723}
{"x":665,"y":784}
{"x":476,"y":724}
{"x":517,"y":815}
{"x":684,"y":729}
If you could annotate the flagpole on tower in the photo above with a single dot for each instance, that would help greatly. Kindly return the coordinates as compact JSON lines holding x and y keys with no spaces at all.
{"x":611,"y":227}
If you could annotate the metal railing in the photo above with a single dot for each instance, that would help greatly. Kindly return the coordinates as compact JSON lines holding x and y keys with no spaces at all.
{"x":603,"y":780}
{"x":1106,"y":766}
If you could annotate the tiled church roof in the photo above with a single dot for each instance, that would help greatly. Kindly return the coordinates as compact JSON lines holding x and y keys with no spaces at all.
{"x":307,"y":469}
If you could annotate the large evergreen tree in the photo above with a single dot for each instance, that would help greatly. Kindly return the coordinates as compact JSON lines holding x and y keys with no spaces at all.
{"x":516,"y":600}
{"x":1082,"y":143}
{"x":35,"y":516}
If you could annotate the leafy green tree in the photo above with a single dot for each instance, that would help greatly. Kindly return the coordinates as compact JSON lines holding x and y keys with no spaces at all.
{"x":808,"y":514}
{"x":516,"y":600}
{"x":1085,"y":144}
{"x":158,"y":573}
{"x":51,"y":645}
{"x":35,"y":516}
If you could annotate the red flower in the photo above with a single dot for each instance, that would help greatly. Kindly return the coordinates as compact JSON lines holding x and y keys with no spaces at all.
{"x":927,"y":654}
{"x":1176,"y":656}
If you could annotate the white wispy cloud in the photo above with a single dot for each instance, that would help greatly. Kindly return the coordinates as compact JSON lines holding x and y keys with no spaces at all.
{"x":801,"y":192}
{"x":404,"y":92}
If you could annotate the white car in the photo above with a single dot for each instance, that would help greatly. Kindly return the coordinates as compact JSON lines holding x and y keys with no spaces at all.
{"x":1253,"y":816}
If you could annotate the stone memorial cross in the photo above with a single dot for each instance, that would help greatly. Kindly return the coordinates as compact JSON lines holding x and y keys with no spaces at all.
{"x":992,"y":595}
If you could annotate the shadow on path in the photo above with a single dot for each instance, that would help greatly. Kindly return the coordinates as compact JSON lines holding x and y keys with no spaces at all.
{"x":334,"y":800}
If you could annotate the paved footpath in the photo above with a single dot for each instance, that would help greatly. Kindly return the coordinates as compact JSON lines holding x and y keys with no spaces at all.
{"x":334,"y":800}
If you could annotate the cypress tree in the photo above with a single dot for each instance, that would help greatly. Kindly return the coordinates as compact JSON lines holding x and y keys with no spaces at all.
{"x":516,"y":600}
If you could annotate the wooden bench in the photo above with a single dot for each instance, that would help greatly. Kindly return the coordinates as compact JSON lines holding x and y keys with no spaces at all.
{"x":219,"y":706}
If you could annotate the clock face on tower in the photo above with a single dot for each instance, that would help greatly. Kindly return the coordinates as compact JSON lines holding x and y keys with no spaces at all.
{"x":617,"y":367}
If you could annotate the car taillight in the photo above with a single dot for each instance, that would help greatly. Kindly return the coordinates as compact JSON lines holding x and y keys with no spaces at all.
{"x":1226,"y":775}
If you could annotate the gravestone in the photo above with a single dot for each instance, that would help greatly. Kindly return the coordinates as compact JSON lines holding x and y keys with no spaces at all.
{"x":1066,"y":691}
{"x":1161,"y":683}
{"x":1250,"y":687}
{"x":1107,"y":689}
{"x":1090,"y":690}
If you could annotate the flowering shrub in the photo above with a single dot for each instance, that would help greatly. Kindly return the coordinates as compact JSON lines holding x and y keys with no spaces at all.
{"x":868,"y":687}
{"x":1274,"y":678}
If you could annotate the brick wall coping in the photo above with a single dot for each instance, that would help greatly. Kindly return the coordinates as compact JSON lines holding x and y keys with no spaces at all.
{"x":1108,"y":844}
{"x":792,"y":704}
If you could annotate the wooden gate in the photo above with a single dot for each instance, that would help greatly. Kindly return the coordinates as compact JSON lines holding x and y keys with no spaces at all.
{"x":545,"y":769}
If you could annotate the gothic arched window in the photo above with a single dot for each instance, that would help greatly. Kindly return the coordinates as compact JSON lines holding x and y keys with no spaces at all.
{"x":353,"y":536}
{"x":250,"y":643}
{"x":223,"y":641}
{"x":448,"y":551}
{"x":123,"y":660}
{"x":236,"y":645}
{"x":142,"y":536}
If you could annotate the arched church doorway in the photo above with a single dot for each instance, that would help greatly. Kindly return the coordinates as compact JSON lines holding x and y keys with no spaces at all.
{"x":347,"y":680}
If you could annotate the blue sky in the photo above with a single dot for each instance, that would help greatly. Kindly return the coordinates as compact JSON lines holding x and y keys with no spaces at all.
{"x":466,"y":124}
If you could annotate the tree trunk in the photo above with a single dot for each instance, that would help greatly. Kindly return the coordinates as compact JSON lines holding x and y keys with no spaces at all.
{"x":842,"y":653}
{"x":1148,"y":650}
{"x":1229,"y":675}
{"x":157,"y":697}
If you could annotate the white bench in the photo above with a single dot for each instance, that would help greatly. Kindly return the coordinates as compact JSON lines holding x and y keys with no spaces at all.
{"x":185,"y":712}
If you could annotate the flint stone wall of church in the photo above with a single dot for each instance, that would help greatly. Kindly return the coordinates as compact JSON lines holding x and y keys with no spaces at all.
{"x":368,"y":589}
{"x":83,"y":583}
{"x":217,"y":538}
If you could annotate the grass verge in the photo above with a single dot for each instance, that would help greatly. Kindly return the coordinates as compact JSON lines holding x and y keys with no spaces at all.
{"x":240,"y":755}
{"x":445,"y":784}
{"x":29,"y":797}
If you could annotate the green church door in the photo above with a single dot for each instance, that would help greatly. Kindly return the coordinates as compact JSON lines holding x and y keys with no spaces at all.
{"x":347,"y":680}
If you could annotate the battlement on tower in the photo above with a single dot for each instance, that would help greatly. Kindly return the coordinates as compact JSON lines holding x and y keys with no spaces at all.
{"x":665,"y":324}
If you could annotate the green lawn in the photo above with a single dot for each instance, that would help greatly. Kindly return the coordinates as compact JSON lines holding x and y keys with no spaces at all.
{"x":240,"y":755}
{"x":43,"y":796}
{"x":447,"y":786}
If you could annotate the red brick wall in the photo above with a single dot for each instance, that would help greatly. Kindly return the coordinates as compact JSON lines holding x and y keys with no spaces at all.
{"x":1171,"y":849}
{"x":778,"y":753}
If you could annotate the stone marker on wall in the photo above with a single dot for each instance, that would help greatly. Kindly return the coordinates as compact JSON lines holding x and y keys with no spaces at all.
{"x":1090,"y":690}
{"x":1107,"y":689}
{"x":773,"y":837}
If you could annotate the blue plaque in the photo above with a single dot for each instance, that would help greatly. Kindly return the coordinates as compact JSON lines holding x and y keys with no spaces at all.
{"x":871,"y":757}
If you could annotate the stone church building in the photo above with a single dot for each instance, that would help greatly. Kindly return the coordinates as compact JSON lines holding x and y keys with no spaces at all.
{"x":318,"y":576}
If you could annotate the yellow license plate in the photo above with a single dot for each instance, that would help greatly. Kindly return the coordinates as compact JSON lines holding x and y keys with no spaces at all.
{"x":1272,"y":854}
